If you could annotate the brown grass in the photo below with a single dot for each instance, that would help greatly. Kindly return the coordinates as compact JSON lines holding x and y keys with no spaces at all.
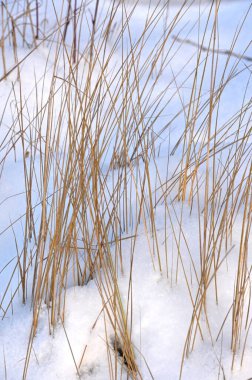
{"x":97,"y":127}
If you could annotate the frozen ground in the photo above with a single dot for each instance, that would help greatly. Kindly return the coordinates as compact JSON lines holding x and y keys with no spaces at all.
{"x":162,"y":308}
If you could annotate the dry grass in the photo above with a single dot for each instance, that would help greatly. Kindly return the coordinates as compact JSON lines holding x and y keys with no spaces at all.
{"x":88,"y":152}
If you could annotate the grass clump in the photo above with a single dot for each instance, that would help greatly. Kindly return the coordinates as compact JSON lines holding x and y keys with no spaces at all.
{"x":90,"y":150}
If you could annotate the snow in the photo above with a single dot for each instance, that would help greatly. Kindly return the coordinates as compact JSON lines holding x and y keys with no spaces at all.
{"x":162,"y":309}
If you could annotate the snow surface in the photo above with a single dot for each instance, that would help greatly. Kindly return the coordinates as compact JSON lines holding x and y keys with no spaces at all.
{"x":162,"y":308}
